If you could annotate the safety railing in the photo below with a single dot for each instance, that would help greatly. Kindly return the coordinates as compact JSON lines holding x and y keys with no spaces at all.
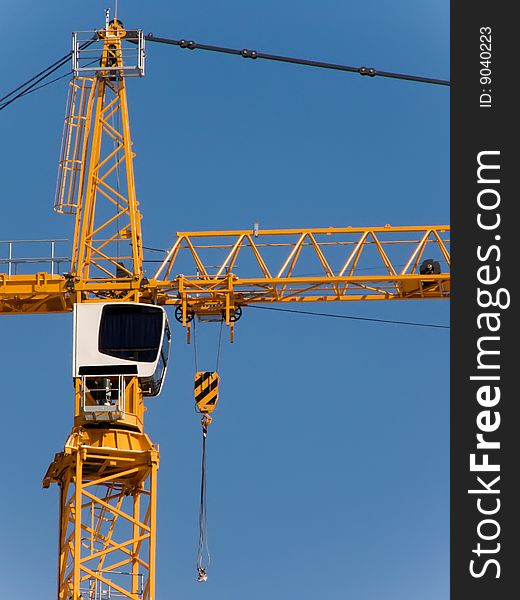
{"x":98,"y":590}
{"x":103,"y":397}
{"x":129,"y":53}
{"x":17,"y":255}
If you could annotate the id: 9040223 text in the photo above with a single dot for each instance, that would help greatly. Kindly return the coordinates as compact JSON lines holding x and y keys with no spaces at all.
{"x":485,"y":67}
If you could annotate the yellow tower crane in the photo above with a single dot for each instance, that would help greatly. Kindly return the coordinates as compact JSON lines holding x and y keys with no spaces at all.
{"x":107,"y":471}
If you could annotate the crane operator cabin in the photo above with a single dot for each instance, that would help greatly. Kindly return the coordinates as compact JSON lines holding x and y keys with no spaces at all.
{"x":113,"y":343}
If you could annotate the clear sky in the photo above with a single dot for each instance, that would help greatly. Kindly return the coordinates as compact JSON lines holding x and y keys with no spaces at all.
{"x":328,"y":459}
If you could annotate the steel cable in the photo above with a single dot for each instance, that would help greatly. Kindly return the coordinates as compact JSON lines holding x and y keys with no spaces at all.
{"x":253,"y":54}
{"x":336,"y":316}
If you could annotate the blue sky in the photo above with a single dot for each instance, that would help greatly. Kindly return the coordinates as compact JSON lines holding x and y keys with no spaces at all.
{"x":328,"y":458}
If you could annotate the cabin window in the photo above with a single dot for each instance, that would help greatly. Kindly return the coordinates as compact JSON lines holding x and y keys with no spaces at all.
{"x":155,"y":381}
{"x":165,"y":349}
{"x":131,"y":332}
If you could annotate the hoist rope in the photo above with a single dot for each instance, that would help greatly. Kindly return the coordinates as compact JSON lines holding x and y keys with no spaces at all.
{"x":118,"y":127}
{"x":195,"y":346}
{"x":219,"y":343}
{"x":203,"y":554}
{"x":203,"y":550}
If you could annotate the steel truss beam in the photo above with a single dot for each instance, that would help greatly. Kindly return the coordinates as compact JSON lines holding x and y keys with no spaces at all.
{"x":108,"y":490}
{"x":236,"y":268}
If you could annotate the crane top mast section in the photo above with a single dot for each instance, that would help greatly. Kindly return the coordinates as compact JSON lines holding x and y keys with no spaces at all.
{"x":95,"y":173}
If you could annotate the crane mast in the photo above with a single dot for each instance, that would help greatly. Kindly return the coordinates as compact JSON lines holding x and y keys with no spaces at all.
{"x":107,"y":471}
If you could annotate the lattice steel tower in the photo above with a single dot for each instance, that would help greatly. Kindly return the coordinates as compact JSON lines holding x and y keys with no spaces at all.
{"x":107,"y":472}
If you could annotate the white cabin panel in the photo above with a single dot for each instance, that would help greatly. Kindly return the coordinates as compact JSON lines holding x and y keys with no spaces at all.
{"x":105,"y":332}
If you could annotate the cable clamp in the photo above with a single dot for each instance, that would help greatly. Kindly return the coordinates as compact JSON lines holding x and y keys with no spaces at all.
{"x":191,"y":45}
{"x":367,"y":71}
{"x":245,"y":53}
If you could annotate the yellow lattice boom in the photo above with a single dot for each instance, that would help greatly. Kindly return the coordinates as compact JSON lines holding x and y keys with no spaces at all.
{"x":226,"y":269}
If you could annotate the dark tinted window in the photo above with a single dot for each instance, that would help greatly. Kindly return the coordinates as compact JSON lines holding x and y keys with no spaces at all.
{"x":152,"y":385}
{"x":131,"y":332}
{"x":165,"y":350}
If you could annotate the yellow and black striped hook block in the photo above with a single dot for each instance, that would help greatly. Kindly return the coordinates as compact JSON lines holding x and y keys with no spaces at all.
{"x":206,"y":394}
